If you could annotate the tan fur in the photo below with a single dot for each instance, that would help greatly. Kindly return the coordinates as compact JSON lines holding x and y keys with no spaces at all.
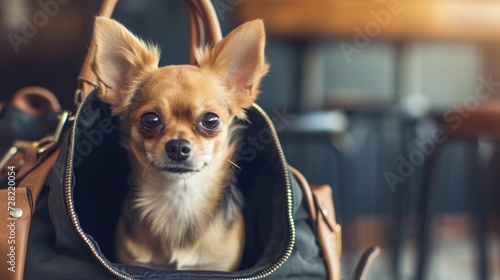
{"x":175,"y":221}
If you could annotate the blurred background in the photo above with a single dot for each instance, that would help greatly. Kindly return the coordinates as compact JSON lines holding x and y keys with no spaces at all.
{"x":393,"y":103}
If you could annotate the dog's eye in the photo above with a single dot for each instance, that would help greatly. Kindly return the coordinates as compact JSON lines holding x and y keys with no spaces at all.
{"x":150,"y":121}
{"x":150,"y":125}
{"x":210,"y":121}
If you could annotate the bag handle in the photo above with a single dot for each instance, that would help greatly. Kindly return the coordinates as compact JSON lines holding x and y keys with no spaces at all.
{"x":202,"y":18}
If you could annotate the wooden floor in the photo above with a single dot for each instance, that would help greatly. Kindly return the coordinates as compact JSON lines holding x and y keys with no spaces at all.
{"x":453,"y":257}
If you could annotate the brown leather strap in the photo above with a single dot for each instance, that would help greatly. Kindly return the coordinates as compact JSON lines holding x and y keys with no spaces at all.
{"x":87,"y":80}
{"x":196,"y":30}
{"x":35,"y":180}
{"x":207,"y":21}
{"x":365,"y":263}
{"x":31,"y":160}
{"x":20,"y":202}
{"x":319,"y":201}
{"x":307,"y":192}
{"x":35,"y":101}
{"x":327,"y":228}
{"x":14,"y":231}
{"x":202,"y":18}
{"x":24,"y":162}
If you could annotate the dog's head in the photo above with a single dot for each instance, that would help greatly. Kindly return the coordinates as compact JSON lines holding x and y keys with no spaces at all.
{"x":178,"y":118}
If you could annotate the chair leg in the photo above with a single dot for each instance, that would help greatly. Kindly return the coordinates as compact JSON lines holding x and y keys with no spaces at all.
{"x":399,"y":235}
{"x":478,"y":188}
{"x":426,"y":212}
{"x":401,"y":200}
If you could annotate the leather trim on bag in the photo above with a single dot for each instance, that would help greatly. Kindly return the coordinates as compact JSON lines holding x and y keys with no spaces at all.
{"x":365,"y":263}
{"x":35,"y":101}
{"x":323,"y":214}
{"x":16,"y":230}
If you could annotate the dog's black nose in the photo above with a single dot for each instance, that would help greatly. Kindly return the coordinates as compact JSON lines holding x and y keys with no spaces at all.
{"x":178,"y":149}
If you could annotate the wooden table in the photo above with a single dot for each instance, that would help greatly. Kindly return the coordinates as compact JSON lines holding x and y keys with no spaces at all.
{"x":466,"y":20}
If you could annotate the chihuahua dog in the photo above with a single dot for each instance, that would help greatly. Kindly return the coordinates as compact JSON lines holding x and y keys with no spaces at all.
{"x":179,"y":126}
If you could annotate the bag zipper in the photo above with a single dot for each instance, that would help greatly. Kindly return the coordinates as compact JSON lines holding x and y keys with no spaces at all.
{"x":69,"y":199}
{"x":289,"y":200}
{"x":72,"y":215}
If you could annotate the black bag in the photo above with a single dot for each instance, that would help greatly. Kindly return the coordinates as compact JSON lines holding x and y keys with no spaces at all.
{"x":74,"y":224}
{"x":31,"y":114}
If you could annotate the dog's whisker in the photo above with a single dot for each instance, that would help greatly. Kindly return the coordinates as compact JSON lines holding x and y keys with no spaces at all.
{"x":135,"y":169}
{"x":144,"y":172}
{"x":234,"y":164}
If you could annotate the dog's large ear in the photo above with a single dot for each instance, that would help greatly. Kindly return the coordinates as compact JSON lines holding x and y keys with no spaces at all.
{"x":239,"y":62}
{"x":121,"y":61}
